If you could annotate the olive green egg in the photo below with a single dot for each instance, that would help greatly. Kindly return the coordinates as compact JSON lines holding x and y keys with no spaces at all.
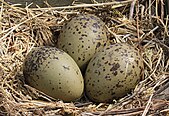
{"x":53,"y":72}
{"x":81,"y":37}
{"x":113,"y":72}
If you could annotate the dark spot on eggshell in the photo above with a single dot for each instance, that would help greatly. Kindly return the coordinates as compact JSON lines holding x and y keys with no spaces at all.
{"x":84,"y":26}
{"x":94,"y":31}
{"x":50,"y":82}
{"x":65,"y":26}
{"x":108,"y":77}
{"x":63,"y":46}
{"x":117,"y":50}
{"x":66,"y":67}
{"x":133,"y":66}
{"x":79,"y":58}
{"x":130,"y":73}
{"x":140,"y":67}
{"x":96,"y":25}
{"x":118,"y":85}
{"x":98,"y":45}
{"x":121,"y":71}
{"x":106,"y":62}
{"x":84,"y":35}
{"x":37,"y":76}
{"x":88,"y":91}
{"x":114,"y":73}
{"x":137,"y":62}
{"x":107,"y":48}
{"x":113,"y":93}
{"x":115,"y":66}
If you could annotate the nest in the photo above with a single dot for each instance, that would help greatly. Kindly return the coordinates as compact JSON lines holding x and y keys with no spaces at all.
{"x":142,"y":23}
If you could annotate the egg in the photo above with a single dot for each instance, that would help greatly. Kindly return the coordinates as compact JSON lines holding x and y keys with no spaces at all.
{"x":81,"y":37}
{"x":113,"y":72}
{"x":53,"y":72}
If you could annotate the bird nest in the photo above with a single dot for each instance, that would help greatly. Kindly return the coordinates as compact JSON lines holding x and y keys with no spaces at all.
{"x":141,"y":23}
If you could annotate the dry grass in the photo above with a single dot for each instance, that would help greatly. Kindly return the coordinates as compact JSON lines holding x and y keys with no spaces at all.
{"x":136,"y":22}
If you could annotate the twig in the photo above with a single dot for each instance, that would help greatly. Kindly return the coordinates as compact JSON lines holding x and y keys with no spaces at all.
{"x":150,"y":32}
{"x":132,"y":9}
{"x":83,"y":104}
{"x":149,"y":11}
{"x":149,"y":101}
{"x":15,"y":8}
{"x":83,"y":5}
{"x":124,"y":112}
{"x":165,"y":86}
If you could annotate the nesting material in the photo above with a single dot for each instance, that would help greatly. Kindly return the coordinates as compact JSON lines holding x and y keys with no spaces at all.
{"x":137,"y":23}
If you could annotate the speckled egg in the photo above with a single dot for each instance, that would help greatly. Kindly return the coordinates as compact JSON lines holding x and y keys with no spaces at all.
{"x":53,"y":72}
{"x":113,"y":72}
{"x":81,"y":37}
